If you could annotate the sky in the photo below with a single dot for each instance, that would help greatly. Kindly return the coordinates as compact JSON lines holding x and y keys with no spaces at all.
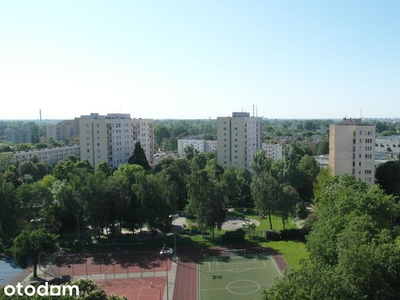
{"x":200,"y":59}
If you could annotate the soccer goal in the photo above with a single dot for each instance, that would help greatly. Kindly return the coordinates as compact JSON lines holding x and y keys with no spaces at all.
{"x":235,"y":252}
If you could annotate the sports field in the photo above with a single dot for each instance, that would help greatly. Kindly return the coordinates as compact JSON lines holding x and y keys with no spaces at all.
{"x":236,"y":276}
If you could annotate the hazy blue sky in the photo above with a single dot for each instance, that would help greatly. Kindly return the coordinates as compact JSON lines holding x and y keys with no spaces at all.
{"x":199,"y":59}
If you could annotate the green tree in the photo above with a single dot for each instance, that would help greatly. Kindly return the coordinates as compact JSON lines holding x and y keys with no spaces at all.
{"x":29,"y":244}
{"x":323,"y":147}
{"x":8,"y":211}
{"x":43,"y":169}
{"x":261,"y":163}
{"x":139,"y":157}
{"x":353,"y":252}
{"x":387,"y":175}
{"x":266,"y":192}
{"x":7,"y":159}
{"x":28,"y":168}
{"x":308,"y":170}
{"x":161,"y":132}
{"x":206,"y":193}
{"x":324,"y":176}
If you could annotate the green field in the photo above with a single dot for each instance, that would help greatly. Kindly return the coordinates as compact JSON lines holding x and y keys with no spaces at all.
{"x":236,"y":277}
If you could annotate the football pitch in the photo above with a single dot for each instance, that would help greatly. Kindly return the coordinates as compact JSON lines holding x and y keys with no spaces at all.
{"x":236,"y":277}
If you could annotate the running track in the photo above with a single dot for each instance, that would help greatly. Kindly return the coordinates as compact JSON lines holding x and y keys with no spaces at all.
{"x":186,"y":275}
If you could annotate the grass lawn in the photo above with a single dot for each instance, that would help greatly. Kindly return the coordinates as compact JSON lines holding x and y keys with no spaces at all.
{"x":292,"y":251}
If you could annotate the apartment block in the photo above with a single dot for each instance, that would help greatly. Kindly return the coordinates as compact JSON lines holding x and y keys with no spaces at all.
{"x":238,"y":137}
{"x":18,"y":136}
{"x":352,"y":149}
{"x":112,"y":137}
{"x":50,"y":156}
{"x":63,"y":131}
{"x":199,"y":145}
{"x":274,"y":151}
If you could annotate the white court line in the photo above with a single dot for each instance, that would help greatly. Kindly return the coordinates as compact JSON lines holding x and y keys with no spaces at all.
{"x":264,"y":263}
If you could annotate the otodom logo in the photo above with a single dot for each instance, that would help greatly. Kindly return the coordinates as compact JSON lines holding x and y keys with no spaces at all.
{"x":42,"y":290}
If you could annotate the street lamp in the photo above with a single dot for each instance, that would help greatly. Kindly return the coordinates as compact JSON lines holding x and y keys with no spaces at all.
{"x":174,"y":217}
{"x":167,"y":251}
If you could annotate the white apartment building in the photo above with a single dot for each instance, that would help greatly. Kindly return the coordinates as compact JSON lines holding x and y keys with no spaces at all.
{"x":352,"y":149}
{"x":238,"y":137}
{"x":18,"y":136}
{"x":274,"y":151}
{"x":199,"y":145}
{"x":112,"y":137}
{"x":50,"y":156}
{"x":63,"y":131}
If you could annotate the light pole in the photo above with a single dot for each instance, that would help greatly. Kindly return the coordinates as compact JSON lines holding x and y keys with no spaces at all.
{"x":174,"y":218}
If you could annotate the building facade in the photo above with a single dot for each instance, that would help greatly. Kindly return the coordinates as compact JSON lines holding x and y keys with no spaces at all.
{"x":238,"y":137}
{"x":18,"y":136}
{"x":352,"y":149}
{"x":199,"y":145}
{"x":274,"y":151}
{"x":111,"y":138}
{"x":63,"y":131}
{"x":50,"y":156}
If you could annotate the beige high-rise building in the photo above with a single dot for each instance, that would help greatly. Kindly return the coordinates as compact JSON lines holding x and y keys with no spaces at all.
{"x":63,"y":131}
{"x":238,"y":137}
{"x":352,"y":149}
{"x":112,"y":138}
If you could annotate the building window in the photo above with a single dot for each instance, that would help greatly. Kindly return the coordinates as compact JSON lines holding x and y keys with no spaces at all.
{"x":367,"y":171}
{"x":368,"y":133}
{"x":368,"y":141}
{"x":368,"y":156}
{"x":368,"y":164}
{"x":360,"y":132}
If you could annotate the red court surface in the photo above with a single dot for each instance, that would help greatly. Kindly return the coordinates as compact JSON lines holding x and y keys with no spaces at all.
{"x":186,"y":275}
{"x":108,"y":264}
{"x":135,"y":288}
{"x":136,"y":276}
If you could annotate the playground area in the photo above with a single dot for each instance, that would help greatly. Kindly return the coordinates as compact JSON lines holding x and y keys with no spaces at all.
{"x":236,"y":275}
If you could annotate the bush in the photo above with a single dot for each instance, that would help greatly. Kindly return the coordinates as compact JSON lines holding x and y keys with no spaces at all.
{"x":293,"y":234}
{"x":234,"y":236}
{"x":272,"y":235}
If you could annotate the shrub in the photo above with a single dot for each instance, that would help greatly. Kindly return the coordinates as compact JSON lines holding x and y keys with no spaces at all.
{"x":234,"y":236}
{"x":293,"y":234}
{"x":272,"y":235}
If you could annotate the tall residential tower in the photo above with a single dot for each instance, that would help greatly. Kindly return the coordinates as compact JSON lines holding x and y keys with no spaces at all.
{"x":352,"y":149}
{"x":112,"y":138}
{"x":237,"y":138}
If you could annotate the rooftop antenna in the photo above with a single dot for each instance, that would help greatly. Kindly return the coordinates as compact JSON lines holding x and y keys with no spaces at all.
{"x":253,"y":110}
{"x":242,"y":108}
{"x":256,"y":110}
{"x":40,"y":115}
{"x":360,"y":113}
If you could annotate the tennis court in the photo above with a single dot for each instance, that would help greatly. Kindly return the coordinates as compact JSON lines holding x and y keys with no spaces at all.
{"x":237,"y":275}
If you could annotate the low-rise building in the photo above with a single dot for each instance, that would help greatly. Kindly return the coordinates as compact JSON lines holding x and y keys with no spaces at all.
{"x":50,"y":156}
{"x":199,"y":145}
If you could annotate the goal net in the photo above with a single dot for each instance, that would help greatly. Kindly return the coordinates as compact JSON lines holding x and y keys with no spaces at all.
{"x":235,"y":252}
